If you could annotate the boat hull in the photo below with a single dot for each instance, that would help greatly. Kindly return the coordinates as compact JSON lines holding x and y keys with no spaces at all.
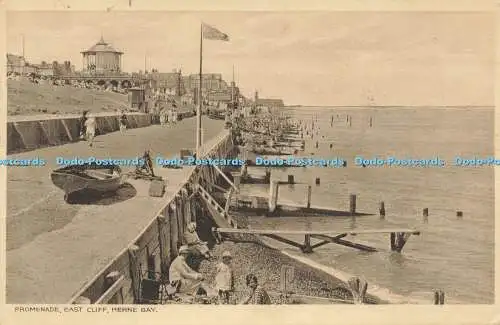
{"x":74,"y":179}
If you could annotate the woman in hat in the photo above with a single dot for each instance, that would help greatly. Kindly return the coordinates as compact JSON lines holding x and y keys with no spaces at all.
{"x":184,"y":278}
{"x":90,"y":128}
{"x":257,"y":295}
{"x":193,"y":241}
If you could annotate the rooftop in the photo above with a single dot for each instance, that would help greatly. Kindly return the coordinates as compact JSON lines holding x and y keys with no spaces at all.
{"x":102,"y":46}
{"x":270,"y":102}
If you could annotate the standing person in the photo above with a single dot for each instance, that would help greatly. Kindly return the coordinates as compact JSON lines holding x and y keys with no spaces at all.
{"x":169,"y":116}
{"x":224,"y":278}
{"x":257,"y":295}
{"x":123,"y":122}
{"x":90,"y":128}
{"x":174,"y":115}
{"x":162,"y":117}
{"x":83,"y":129}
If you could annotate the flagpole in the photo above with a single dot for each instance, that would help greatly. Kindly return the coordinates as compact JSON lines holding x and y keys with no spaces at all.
{"x":232,"y":89}
{"x":24,"y":58}
{"x":198,"y":111}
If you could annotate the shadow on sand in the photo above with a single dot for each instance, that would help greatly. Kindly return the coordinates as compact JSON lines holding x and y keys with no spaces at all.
{"x":85,"y":197}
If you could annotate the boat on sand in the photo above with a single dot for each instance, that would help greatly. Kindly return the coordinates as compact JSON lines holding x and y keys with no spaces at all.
{"x":92,"y":177}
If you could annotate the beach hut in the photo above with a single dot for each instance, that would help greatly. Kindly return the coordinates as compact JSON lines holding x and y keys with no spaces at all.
{"x":137,"y":99}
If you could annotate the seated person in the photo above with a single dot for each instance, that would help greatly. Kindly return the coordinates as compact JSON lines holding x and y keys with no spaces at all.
{"x":257,"y":295}
{"x":194,"y":243}
{"x":184,"y":278}
{"x":224,"y":279}
{"x":147,"y":168}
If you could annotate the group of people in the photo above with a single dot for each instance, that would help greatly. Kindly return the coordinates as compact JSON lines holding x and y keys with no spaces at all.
{"x":168,"y":116}
{"x":190,"y":282}
{"x":88,"y":126}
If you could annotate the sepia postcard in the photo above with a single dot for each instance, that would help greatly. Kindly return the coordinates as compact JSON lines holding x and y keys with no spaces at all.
{"x":185,"y":162}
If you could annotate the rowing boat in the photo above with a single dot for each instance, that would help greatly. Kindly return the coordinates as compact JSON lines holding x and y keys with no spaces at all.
{"x":93,"y":177}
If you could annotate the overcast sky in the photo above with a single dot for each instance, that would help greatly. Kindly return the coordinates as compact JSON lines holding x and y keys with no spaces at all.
{"x":328,"y":58}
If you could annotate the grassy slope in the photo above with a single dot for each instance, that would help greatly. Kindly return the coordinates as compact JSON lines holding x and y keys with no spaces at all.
{"x":26,"y":98}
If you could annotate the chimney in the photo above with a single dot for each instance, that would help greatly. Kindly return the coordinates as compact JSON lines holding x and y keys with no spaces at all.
{"x":256,"y":96}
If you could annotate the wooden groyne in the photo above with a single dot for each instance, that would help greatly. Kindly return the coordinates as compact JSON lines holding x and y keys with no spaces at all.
{"x":141,"y":267}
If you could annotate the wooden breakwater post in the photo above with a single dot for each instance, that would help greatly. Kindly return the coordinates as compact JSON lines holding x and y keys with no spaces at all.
{"x":151,"y":264}
{"x":309,"y":193}
{"x":291,"y":179}
{"x":135,"y":272}
{"x":179,"y":214}
{"x":318,"y":181}
{"x":273,"y":196}
{"x":439,"y":297}
{"x":244,"y":170}
{"x":460,"y":214}
{"x":358,"y":288}
{"x":425,"y":215}
{"x":174,"y":230}
{"x":352,"y":204}
{"x":267,"y":177}
{"x":286,"y":280}
{"x":381,"y":210}
{"x":163,"y":243}
{"x":236,"y":179}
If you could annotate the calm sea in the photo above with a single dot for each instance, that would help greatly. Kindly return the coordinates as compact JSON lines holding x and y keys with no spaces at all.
{"x":453,"y":255}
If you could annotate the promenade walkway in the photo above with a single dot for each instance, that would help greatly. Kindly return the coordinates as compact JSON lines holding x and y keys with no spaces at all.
{"x":55,"y":247}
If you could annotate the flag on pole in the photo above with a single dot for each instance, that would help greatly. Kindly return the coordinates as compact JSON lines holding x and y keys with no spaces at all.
{"x":212,"y":33}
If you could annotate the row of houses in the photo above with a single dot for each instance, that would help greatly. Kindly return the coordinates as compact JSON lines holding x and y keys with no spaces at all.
{"x":215,"y":90}
{"x":174,"y":82}
{"x":17,"y":64}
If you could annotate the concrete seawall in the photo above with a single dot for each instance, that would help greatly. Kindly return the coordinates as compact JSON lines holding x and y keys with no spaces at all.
{"x":26,"y":133}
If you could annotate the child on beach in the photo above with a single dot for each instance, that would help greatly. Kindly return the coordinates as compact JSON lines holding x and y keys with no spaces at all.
{"x":224,"y":278}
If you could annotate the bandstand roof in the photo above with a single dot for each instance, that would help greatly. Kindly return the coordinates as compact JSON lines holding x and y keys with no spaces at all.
{"x":102,"y":46}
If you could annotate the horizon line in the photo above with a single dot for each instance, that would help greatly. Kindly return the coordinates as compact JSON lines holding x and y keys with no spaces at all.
{"x":386,"y":106}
